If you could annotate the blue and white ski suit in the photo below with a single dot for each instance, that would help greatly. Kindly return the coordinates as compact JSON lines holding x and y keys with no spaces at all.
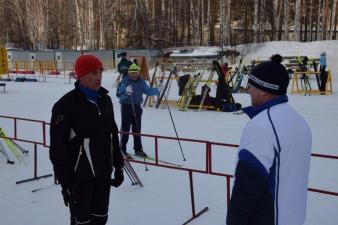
{"x":272,"y":171}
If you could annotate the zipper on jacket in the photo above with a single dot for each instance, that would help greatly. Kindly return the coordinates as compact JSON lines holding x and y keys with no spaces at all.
{"x":78,"y":159}
{"x":98,"y":109}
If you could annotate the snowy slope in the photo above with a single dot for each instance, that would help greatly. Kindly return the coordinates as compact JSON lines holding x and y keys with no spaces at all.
{"x":165,"y":199}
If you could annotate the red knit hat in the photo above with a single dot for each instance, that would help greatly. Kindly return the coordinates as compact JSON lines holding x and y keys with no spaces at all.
{"x":86,"y":64}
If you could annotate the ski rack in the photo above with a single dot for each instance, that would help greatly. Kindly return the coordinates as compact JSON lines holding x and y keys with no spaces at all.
{"x":208,"y":169}
{"x":34,"y":143}
{"x":305,"y":90}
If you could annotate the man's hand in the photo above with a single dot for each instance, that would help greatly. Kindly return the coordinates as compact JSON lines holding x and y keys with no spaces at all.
{"x":129,"y":90}
{"x":118,"y":178}
{"x":69,"y":195}
{"x":66,"y":196}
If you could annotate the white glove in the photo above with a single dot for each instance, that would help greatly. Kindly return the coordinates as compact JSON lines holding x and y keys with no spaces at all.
{"x":129,"y":90}
{"x":160,"y":88}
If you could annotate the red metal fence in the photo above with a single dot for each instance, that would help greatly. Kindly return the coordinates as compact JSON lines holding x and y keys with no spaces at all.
{"x":208,"y":160}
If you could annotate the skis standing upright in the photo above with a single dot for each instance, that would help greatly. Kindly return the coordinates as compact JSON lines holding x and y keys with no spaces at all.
{"x":239,"y":77}
{"x":172,"y":72}
{"x":131,"y":173}
{"x":190,"y":91}
{"x":206,"y":90}
{"x":152,"y":82}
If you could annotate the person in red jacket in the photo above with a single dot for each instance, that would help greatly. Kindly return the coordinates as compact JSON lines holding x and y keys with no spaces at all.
{"x":84,"y":145}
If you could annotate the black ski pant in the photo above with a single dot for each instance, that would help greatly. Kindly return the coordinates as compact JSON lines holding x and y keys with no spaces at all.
{"x":91,"y":202}
{"x":131,"y":116}
{"x":323,"y":78}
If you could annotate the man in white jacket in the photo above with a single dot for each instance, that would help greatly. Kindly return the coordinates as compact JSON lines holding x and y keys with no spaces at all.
{"x":272,"y":171}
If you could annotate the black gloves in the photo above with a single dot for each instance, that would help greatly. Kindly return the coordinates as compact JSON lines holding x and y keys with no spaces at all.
{"x":69,"y":195}
{"x":118,"y":178}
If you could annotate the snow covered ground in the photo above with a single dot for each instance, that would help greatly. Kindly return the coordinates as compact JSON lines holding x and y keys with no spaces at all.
{"x":165,"y":198}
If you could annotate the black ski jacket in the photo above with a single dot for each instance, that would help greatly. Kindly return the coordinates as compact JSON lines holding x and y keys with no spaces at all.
{"x":123,"y":67}
{"x":84,"y":137}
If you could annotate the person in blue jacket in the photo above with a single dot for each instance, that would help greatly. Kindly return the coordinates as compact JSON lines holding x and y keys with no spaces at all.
{"x":272,"y":171}
{"x":130,"y":93}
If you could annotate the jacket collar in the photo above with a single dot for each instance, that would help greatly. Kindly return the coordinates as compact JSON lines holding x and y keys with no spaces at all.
{"x":101,"y":92}
{"x":253,"y":111}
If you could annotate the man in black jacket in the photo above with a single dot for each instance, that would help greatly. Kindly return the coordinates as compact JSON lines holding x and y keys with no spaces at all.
{"x":124,"y":64}
{"x":84,"y":145}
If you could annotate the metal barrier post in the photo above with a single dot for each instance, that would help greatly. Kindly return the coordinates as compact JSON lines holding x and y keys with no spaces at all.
{"x":194,"y":215}
{"x":15,"y":131}
{"x":156,"y":150}
{"x":35,"y":172}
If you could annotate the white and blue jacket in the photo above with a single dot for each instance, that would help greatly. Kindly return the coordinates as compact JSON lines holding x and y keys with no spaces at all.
{"x":272,"y":171}
{"x":139,"y":87}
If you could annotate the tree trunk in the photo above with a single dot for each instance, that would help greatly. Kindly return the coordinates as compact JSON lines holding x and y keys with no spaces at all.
{"x":255,"y":25}
{"x":323,"y":28}
{"x":276,"y":20}
{"x":286,"y":20}
{"x":209,"y":21}
{"x":297,"y":21}
{"x":221,"y":18}
{"x":280,"y":25}
{"x":335,"y":28}
{"x":228,"y":40}
{"x":91,"y":35}
{"x":318,"y":36}
{"x":305,"y":21}
{"x":333,"y":18}
{"x":310,"y":18}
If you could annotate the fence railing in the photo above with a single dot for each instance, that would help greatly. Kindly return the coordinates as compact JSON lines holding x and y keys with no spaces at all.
{"x":157,"y":162}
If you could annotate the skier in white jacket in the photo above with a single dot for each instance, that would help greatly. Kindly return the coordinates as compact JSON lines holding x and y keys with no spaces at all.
{"x":272,"y":171}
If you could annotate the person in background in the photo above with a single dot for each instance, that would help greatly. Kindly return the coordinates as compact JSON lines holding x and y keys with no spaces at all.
{"x":124,"y":64}
{"x":84,"y":145}
{"x":225,"y":69}
{"x":130,"y":93}
{"x":272,"y":171}
{"x":323,"y":74}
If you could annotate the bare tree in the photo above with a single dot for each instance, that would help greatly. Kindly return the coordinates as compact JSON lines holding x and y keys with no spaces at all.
{"x":318,"y":37}
{"x":228,"y":23}
{"x":255,"y":25}
{"x":310,"y":16}
{"x":297,"y":21}
{"x":286,"y":20}
{"x":333,"y":18}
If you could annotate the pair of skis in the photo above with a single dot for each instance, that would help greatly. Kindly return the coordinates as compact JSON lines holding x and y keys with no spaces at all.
{"x":173,"y":72}
{"x":16,"y":149}
{"x":134,"y":178}
{"x":159,"y":160}
{"x":152,"y":83}
{"x":189,"y":91}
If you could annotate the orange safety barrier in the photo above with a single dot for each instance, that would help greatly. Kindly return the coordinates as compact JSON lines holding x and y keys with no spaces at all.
{"x":40,"y":67}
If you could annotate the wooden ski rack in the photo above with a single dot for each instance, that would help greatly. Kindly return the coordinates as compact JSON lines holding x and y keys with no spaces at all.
{"x":300,"y":90}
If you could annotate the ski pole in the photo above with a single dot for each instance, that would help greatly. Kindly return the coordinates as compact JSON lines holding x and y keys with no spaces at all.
{"x":136,"y":124}
{"x":172,"y":120}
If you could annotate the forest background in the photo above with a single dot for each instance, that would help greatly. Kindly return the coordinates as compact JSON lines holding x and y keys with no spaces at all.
{"x":111,"y":24}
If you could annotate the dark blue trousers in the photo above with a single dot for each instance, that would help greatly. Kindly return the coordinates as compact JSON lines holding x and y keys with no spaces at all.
{"x":131,"y":119}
